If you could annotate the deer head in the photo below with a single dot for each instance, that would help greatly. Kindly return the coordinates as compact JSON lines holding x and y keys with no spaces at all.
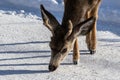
{"x":62,"y":41}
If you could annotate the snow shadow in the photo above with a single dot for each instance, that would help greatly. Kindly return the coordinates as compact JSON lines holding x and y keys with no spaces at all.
{"x":18,"y":72}
{"x":85,"y":52}
{"x":22,"y":58}
{"x":82,"y":52}
{"x":25,"y":64}
{"x":15,"y":52}
{"x":25,"y":43}
{"x":110,"y":40}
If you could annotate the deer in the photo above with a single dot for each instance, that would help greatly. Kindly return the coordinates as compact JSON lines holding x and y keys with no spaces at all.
{"x":79,"y":19}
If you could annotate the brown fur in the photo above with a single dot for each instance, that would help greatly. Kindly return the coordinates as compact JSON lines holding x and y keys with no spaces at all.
{"x":81,"y":10}
{"x":79,"y":19}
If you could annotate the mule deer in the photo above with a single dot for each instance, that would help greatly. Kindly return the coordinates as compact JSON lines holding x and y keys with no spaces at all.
{"x":79,"y":18}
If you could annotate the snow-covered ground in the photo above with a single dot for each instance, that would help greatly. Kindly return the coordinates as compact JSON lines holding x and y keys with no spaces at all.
{"x":25,"y":53}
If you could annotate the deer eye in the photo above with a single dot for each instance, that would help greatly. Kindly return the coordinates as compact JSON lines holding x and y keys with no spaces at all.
{"x":64,"y":50}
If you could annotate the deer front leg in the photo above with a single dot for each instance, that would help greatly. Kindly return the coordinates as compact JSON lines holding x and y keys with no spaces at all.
{"x":93,"y":40}
{"x":76,"y":54}
{"x":91,"y":37}
{"x":88,"y":38}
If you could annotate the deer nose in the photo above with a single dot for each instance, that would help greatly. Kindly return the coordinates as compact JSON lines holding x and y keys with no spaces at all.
{"x":52,"y":68}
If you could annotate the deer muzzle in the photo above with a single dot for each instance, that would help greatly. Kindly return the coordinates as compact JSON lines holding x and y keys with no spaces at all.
{"x":52,"y":68}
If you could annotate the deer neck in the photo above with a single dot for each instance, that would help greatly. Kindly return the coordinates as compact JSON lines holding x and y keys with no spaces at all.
{"x":74,"y":11}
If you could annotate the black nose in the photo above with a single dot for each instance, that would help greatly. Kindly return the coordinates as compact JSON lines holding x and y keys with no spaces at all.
{"x":52,"y":68}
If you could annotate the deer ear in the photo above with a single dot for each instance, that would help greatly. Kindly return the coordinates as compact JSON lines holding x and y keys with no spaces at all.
{"x":86,"y":26}
{"x":70,"y":28}
{"x":83,"y":28}
{"x":48,"y":19}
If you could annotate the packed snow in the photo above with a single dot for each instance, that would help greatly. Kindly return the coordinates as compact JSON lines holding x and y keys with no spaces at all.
{"x":24,"y":43}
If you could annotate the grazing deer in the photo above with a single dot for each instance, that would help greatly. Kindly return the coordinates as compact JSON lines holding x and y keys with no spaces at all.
{"x":79,"y":18}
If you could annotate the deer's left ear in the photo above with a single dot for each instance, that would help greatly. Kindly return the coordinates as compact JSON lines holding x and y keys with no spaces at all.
{"x":83,"y":28}
{"x":48,"y":19}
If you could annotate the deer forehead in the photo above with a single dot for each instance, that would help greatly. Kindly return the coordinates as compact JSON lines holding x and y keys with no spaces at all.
{"x":59,"y":44}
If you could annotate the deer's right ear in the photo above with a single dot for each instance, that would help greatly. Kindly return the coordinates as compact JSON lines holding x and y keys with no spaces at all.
{"x":82,"y":28}
{"x":48,"y":19}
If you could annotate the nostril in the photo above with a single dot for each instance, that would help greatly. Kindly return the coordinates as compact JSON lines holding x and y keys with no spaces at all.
{"x":52,"y":68}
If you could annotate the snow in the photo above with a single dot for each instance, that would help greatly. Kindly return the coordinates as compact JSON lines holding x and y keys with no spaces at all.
{"x":24,"y":44}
